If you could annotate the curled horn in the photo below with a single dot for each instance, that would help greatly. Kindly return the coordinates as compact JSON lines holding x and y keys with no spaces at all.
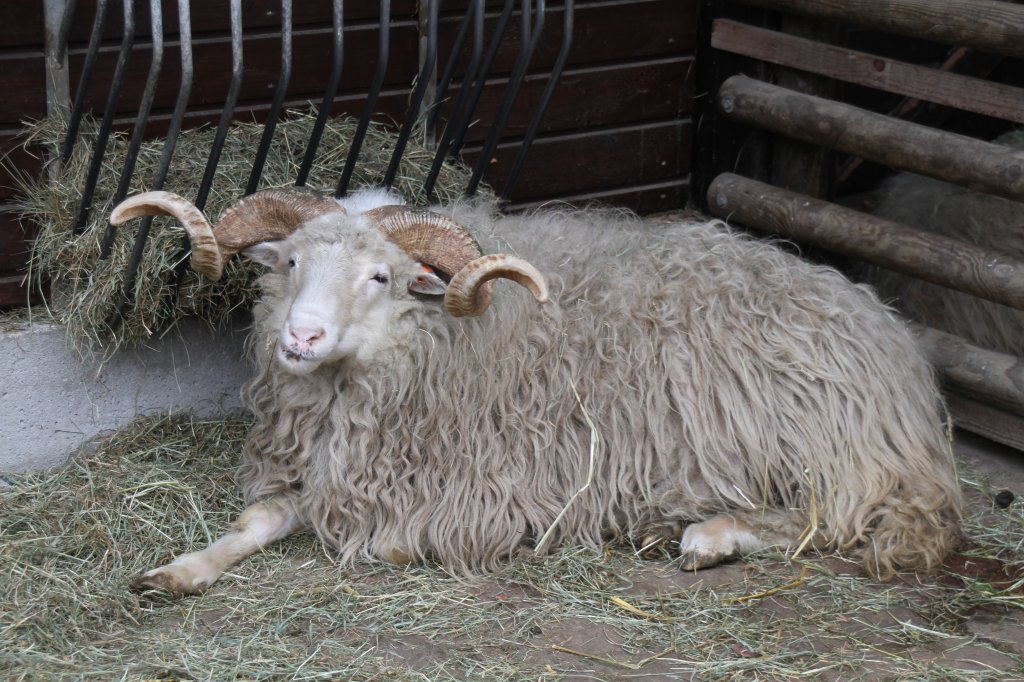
{"x":469,"y":292}
{"x":264,"y":216}
{"x":445,"y":245}
{"x":206,"y":256}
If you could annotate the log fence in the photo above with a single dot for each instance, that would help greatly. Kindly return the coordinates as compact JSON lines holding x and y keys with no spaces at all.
{"x":986,"y":388}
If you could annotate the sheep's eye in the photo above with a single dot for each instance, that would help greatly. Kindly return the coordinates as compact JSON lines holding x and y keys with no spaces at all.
{"x":380,"y":277}
{"x":291,"y":262}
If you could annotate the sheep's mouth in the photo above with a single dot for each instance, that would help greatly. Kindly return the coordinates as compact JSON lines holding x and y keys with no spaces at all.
{"x":294,"y":357}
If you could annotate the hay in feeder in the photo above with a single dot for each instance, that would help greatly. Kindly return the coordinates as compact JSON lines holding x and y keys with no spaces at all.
{"x":72,"y":538}
{"x":87,"y":291}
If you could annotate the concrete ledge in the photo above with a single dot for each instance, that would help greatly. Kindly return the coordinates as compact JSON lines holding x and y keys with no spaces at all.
{"x":51,"y":403}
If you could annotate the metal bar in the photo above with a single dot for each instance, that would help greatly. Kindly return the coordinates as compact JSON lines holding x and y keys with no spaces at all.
{"x":64,"y":33}
{"x":422,"y":82}
{"x":950,"y":262}
{"x":184,"y":90}
{"x":468,"y":19}
{"x":511,"y":90}
{"x":100,"y":148}
{"x":462,"y":125}
{"x":545,"y":99}
{"x":141,"y":119}
{"x":371,"y":101}
{"x":476,"y":13}
{"x":229,"y":106}
{"x":982,"y":166}
{"x":78,"y":106}
{"x":279,"y":93}
{"x":218,"y":143}
{"x":329,"y":92}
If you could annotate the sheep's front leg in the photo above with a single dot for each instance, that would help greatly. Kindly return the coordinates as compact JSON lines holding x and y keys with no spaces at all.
{"x":258,"y":526}
{"x":727,"y":536}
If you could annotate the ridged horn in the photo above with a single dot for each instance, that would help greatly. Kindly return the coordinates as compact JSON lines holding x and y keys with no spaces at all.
{"x":443,"y":244}
{"x":426,"y":236}
{"x":469,"y":292}
{"x":206,"y":255}
{"x":269,"y":215}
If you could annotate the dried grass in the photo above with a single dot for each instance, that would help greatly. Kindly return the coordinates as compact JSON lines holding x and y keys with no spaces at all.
{"x":87,"y":291}
{"x":71,"y":539}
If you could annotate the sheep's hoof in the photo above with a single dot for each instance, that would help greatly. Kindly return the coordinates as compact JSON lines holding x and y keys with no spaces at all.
{"x":713,"y":541}
{"x":696,"y":559}
{"x":158,"y":582}
{"x":184,"y":576}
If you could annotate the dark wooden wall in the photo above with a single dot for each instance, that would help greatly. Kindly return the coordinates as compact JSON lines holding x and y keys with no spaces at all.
{"x":618,"y":129}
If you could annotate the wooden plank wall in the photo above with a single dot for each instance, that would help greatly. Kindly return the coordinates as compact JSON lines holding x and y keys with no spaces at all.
{"x":618,"y":129}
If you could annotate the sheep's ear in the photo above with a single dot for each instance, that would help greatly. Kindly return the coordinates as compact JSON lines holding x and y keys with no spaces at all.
{"x":266,"y":253}
{"x":426,"y":281}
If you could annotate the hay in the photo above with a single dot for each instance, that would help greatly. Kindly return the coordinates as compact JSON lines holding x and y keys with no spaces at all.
{"x":71,"y":539}
{"x":87,"y":291}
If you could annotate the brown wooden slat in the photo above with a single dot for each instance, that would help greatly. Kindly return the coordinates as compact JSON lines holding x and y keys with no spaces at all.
{"x":932,"y":85}
{"x":14,"y":155}
{"x":23,"y":78}
{"x":649,"y":198}
{"x":650,"y":90}
{"x":569,"y":164}
{"x":15,"y":240}
{"x":612,"y":32}
{"x":311,"y":66}
{"x":949,"y":262}
{"x":647,"y":90}
{"x":982,"y":166}
{"x":604,"y":32}
{"x":21,"y":21}
{"x":985,"y":24}
{"x":13,"y":291}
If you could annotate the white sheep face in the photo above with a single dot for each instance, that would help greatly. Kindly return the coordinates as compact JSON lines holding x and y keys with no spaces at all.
{"x":344,"y":286}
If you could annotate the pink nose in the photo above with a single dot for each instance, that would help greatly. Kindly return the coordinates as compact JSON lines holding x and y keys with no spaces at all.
{"x":303,"y":338}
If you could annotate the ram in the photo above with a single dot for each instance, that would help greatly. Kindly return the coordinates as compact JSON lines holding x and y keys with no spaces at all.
{"x":680,"y":374}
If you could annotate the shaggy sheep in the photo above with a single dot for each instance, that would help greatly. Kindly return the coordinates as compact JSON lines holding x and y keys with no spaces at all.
{"x":680,"y":374}
{"x":980,"y":219}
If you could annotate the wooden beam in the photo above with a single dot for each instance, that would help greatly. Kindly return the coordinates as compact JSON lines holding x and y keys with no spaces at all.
{"x":988,"y":421}
{"x":984,"y":24}
{"x":994,"y":378}
{"x":949,"y":262}
{"x":982,"y":166}
{"x":949,"y":89}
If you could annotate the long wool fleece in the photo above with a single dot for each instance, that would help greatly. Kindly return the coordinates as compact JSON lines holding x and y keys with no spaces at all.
{"x":720,"y":372}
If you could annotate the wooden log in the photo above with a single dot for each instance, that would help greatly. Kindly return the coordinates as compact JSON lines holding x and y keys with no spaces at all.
{"x":985,"y":420}
{"x":949,"y":262}
{"x":982,"y":166}
{"x":920,"y":82}
{"x":984,"y":24}
{"x":994,"y":378}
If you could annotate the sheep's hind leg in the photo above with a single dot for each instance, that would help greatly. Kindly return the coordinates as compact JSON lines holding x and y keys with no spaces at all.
{"x":259,"y":525}
{"x":726,"y":536}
